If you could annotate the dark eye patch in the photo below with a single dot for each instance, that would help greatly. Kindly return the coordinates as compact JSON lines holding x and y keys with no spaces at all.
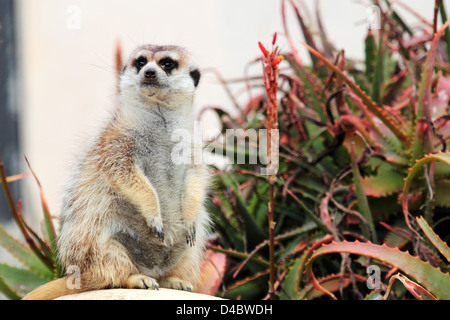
{"x":168,"y":64}
{"x":140,"y":62}
{"x":195,"y":75}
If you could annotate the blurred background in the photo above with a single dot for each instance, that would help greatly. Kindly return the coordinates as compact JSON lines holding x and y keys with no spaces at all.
{"x":57,"y":80}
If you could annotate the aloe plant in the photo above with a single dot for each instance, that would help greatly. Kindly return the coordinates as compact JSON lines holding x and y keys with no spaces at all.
{"x":363,"y":153}
{"x":37,"y":255}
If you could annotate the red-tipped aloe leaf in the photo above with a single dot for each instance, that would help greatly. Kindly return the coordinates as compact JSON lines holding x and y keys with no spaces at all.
{"x":424,"y":108}
{"x":372,"y":106}
{"x":48,"y":223}
{"x":306,"y":34}
{"x":331,"y":283}
{"x":385,"y":183}
{"x":434,"y":238}
{"x":419,"y":292}
{"x":291,"y":284}
{"x":441,"y":156}
{"x":431,"y":278}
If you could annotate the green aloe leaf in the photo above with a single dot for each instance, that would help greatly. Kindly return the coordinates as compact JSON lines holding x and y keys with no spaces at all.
{"x":8,"y":291}
{"x":378,"y":70}
{"x":255,"y":234}
{"x":223,"y":225}
{"x":363,"y":203}
{"x":434,"y":238}
{"x":426,"y":275}
{"x":370,"y":51}
{"x":292,"y":279}
{"x":20,"y":280}
{"x":387,"y":182}
{"x":441,"y":196}
{"x":25,"y":255}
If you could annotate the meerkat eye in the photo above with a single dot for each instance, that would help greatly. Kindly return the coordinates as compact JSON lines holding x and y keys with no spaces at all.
{"x":168,"y":64}
{"x":140,"y":62}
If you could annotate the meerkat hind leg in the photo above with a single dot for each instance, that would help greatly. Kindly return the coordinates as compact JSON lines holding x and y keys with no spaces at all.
{"x":139,"y":281}
{"x":186,"y":274}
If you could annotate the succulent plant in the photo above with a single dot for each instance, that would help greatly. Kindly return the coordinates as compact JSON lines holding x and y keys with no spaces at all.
{"x":363,"y":170}
{"x":37,"y":255}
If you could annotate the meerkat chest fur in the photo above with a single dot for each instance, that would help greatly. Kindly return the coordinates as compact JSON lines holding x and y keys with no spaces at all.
{"x":155,"y":142}
{"x":152,"y":133}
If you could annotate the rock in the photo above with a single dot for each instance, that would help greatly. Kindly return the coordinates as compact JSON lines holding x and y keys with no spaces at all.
{"x":138,"y":294}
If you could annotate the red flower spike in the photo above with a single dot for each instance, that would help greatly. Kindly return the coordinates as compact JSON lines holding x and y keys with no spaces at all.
{"x":277,"y":60}
{"x":264,"y":51}
{"x":274,"y":38}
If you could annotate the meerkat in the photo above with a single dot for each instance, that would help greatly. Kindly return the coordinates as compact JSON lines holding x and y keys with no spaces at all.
{"x":131,"y":218}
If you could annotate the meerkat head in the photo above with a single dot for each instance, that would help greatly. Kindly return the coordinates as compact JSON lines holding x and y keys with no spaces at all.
{"x":165,"y":74}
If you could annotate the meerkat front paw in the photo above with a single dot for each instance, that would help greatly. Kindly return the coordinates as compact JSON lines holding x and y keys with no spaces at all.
{"x":176,"y":283}
{"x":156,"y":224}
{"x":139,"y":281}
{"x":190,"y":233}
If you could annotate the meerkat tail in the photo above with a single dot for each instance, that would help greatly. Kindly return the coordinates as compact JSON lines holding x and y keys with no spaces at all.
{"x":52,"y":290}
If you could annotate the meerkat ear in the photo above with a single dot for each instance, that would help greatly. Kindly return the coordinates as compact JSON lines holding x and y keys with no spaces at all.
{"x":195,"y":75}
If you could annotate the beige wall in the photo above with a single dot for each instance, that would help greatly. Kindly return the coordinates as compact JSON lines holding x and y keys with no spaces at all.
{"x":66,"y":72}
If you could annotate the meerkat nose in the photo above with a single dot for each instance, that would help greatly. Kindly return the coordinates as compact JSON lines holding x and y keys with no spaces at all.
{"x":150,"y":73}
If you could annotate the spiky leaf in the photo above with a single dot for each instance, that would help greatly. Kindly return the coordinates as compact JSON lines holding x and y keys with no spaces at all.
{"x":21,"y":280}
{"x":434,"y":238}
{"x":24,"y":255}
{"x":372,"y":106}
{"x":431,"y":278}
{"x":418,"y":166}
{"x":7,"y":290}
